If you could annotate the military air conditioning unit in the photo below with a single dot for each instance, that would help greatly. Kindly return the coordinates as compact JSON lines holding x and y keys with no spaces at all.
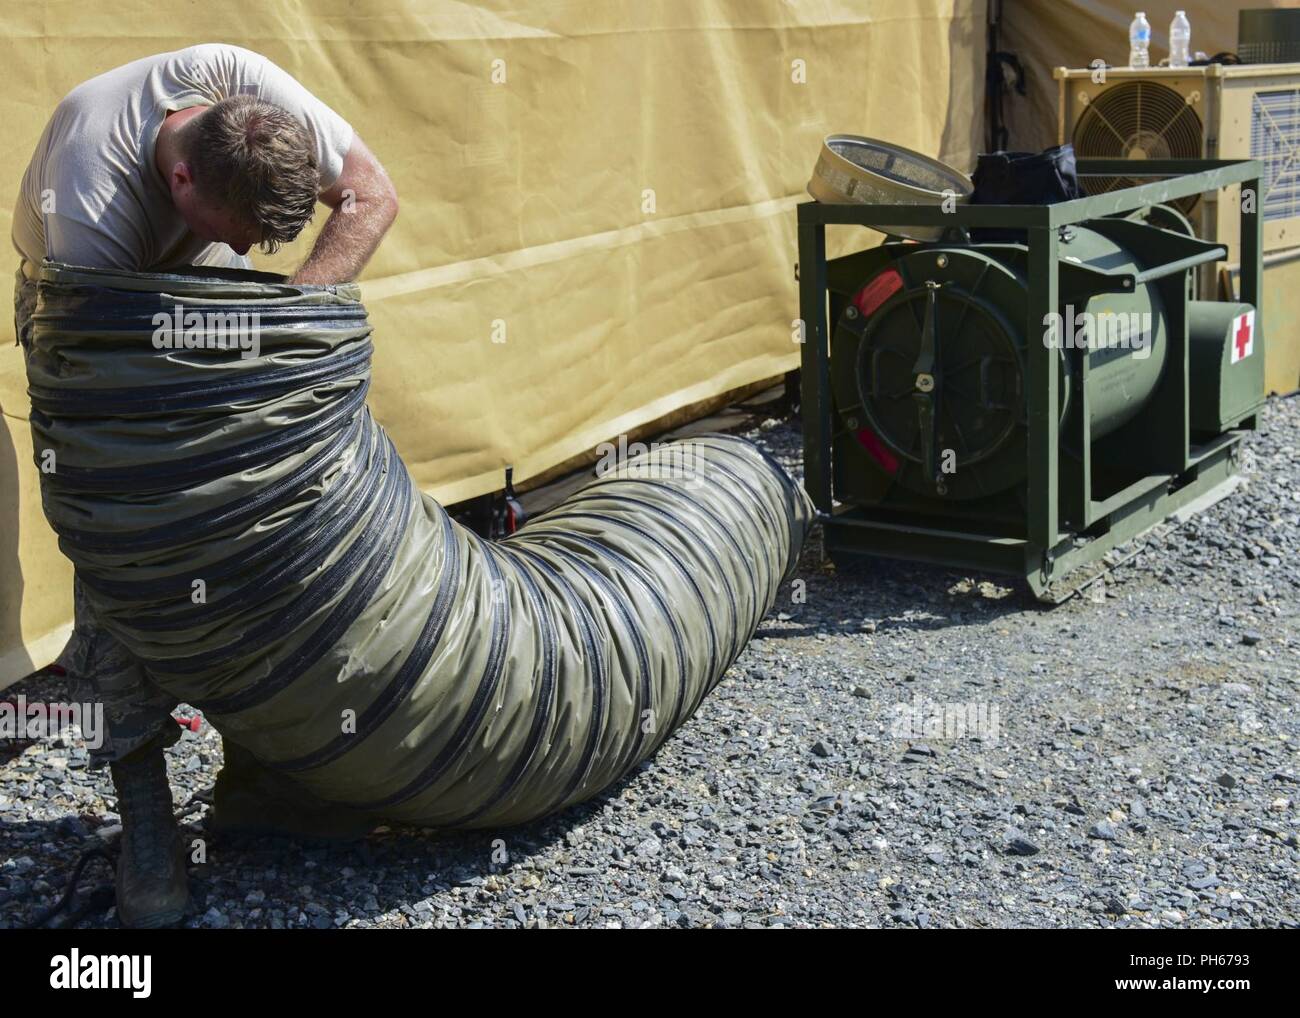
{"x":1024,"y":404}
{"x":1218,"y":111}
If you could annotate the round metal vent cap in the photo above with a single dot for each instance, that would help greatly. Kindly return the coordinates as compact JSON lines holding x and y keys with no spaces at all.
{"x":852,"y":169}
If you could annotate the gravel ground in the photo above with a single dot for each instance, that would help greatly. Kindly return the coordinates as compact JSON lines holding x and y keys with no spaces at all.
{"x":907,"y":746}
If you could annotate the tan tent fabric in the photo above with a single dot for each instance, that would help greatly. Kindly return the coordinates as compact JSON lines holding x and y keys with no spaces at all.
{"x":526,"y":205}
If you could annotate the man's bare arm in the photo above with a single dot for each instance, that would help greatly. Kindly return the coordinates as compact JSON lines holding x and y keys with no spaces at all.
{"x":364,"y":204}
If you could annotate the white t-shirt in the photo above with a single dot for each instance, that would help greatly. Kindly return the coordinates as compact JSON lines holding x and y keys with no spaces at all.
{"x":92,"y":195}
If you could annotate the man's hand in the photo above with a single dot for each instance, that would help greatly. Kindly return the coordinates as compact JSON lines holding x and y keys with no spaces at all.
{"x":364,"y":204}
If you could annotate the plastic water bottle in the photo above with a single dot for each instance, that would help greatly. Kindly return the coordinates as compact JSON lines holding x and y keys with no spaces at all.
{"x":1139,"y":42}
{"x":1180,"y":38}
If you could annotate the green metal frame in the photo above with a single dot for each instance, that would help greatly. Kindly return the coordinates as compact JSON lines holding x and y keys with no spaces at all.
{"x":1043,"y":555}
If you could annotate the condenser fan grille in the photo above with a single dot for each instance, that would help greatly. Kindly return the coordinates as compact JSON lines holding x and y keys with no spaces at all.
{"x":1137,"y":120}
{"x":1275,"y":141}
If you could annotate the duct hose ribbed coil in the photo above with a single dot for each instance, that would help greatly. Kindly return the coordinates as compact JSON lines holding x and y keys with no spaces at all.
{"x":350,"y":633}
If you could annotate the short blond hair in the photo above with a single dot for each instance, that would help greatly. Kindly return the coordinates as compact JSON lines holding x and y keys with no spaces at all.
{"x":257,"y":160}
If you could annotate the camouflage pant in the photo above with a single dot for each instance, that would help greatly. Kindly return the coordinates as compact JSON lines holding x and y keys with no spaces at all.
{"x":100,"y":669}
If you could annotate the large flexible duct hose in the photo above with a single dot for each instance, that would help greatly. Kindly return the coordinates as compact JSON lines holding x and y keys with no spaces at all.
{"x":249,"y":533}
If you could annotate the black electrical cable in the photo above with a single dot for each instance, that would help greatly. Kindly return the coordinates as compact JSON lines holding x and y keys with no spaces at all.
{"x":87,"y":857}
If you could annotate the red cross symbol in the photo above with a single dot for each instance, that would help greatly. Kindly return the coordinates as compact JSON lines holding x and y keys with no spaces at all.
{"x":1243,"y":337}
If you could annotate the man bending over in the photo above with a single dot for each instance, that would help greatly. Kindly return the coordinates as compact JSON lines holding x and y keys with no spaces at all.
{"x":185,"y":158}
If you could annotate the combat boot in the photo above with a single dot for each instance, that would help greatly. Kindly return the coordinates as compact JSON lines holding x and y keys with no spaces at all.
{"x":152,"y":885}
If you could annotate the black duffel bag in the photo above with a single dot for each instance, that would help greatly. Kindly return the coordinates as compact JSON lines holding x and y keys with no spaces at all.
{"x":1023,"y":178}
